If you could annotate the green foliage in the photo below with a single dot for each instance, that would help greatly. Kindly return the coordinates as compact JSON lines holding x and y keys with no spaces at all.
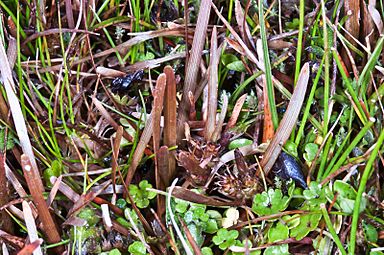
{"x":111,"y":252}
{"x":242,"y":245}
{"x":346,"y":196}
{"x":10,"y":139}
{"x":140,"y":195}
{"x":315,"y":195}
{"x":198,"y":219}
{"x":147,"y":56}
{"x":277,"y":250}
{"x":231,"y":62}
{"x":206,"y":251}
{"x":294,"y":24}
{"x":370,"y":232}
{"x":197,"y":215}
{"x":89,"y":215}
{"x":121,"y":203}
{"x":270,"y":202}
{"x":225,"y":238}
{"x":276,"y":233}
{"x":310,"y":151}
{"x":55,"y":169}
{"x":308,"y":223}
{"x":291,"y":148}
{"x":238,"y":143}
{"x":137,"y":248}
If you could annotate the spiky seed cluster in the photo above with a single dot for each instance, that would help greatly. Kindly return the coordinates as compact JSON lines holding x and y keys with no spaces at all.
{"x":237,"y":187}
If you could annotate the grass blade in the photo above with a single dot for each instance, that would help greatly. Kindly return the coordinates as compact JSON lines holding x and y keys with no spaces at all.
{"x":267,"y":67}
{"x":363,"y":182}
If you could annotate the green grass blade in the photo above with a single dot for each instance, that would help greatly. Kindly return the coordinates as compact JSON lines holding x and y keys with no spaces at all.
{"x":364,"y":179}
{"x":267,"y":65}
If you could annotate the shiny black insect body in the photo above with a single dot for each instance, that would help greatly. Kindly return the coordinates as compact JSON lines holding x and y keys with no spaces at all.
{"x":121,"y":84}
{"x":287,"y":167}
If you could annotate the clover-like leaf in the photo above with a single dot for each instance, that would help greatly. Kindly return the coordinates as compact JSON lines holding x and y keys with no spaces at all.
{"x":291,"y":148}
{"x":308,"y":223}
{"x":121,"y":203}
{"x":346,"y":197}
{"x":278,"y":232}
{"x":181,"y":205}
{"x":89,"y":215}
{"x":211,"y":226}
{"x":270,"y":202}
{"x":315,"y":195}
{"x":206,"y":251}
{"x":370,"y":232}
{"x":147,"y":56}
{"x":232,"y":63}
{"x":55,"y":170}
{"x":277,"y":250}
{"x":114,"y":252}
{"x":140,"y":195}
{"x":197,"y":233}
{"x":310,"y":151}
{"x":137,"y":248}
{"x":225,"y":238}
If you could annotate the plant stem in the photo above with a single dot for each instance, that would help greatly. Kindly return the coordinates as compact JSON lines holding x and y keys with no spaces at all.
{"x":267,"y":65}
{"x":299,"y":41}
{"x":363,"y":183}
{"x":331,"y":229}
{"x":353,"y":144}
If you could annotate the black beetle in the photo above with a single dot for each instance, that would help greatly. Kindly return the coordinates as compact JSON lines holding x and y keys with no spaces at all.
{"x":121,"y":84}
{"x":287,"y":167}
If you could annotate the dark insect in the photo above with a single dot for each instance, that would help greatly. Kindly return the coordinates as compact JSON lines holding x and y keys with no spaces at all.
{"x":121,"y":84}
{"x":168,"y":12}
{"x":287,"y":167}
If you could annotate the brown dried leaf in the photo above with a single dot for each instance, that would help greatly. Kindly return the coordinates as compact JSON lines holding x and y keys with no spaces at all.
{"x":248,"y":53}
{"x":32,"y":248}
{"x":288,"y":122}
{"x":36,"y":187}
{"x":164,"y":177}
{"x":109,"y":72}
{"x":12,"y":240}
{"x":140,"y":148}
{"x":115,"y":155}
{"x":376,"y":17}
{"x":156,"y":115}
{"x":268,"y":129}
{"x":243,"y":26}
{"x":170,"y":105}
{"x":190,"y":196}
{"x":191,"y":77}
{"x":32,"y":230}
{"x":210,"y":124}
{"x":236,"y":112}
{"x":242,"y":166}
{"x":188,"y":161}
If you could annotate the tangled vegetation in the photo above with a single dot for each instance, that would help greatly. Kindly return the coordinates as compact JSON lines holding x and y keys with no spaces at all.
{"x":191,"y":127}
